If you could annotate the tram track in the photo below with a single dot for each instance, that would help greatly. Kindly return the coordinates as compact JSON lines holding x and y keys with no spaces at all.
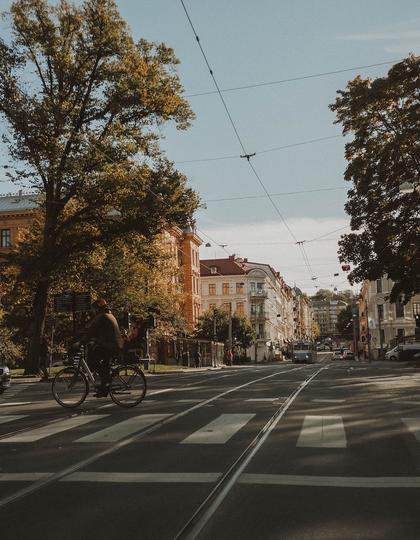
{"x":58,"y":475}
{"x":209,"y":506}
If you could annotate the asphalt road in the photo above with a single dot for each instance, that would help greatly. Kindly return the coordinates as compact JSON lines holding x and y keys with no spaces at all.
{"x":281,"y":451}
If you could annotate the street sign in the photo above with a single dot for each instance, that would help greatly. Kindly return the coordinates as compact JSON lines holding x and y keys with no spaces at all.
{"x":70,"y":302}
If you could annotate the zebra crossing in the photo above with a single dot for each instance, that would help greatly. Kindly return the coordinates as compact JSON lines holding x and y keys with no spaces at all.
{"x":13,"y":391}
{"x":316,"y":431}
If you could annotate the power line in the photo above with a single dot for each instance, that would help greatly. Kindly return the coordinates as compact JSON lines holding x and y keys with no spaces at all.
{"x":281,"y":194}
{"x":246,"y":154}
{"x":292,"y":79}
{"x":274,"y":149}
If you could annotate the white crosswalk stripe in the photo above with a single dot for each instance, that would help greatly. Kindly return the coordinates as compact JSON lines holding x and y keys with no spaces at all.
{"x":53,"y":428}
{"x":11,"y":418}
{"x":322,"y":432}
{"x":413,"y":424}
{"x":123,"y":429}
{"x":219,"y":430}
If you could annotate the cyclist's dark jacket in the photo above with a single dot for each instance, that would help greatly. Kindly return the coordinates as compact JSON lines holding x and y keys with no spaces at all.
{"x":104,"y":330}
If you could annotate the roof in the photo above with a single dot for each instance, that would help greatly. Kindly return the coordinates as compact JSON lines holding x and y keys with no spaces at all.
{"x":225,"y":267}
{"x":18,"y":202}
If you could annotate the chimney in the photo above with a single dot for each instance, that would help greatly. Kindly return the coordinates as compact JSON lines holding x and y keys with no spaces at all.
{"x":20,"y":193}
{"x":245,"y":260}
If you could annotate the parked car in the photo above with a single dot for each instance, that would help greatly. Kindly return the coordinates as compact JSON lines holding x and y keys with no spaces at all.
{"x":5,"y":379}
{"x":403,"y":351}
{"x":337,"y":354}
{"x":348,"y":355}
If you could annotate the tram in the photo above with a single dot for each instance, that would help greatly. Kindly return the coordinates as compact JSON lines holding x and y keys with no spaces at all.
{"x":303,"y":352}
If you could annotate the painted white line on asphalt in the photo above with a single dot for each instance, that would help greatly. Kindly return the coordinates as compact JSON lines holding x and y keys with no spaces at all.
{"x":11,"y":404}
{"x":328,"y":400}
{"x":11,"y":418}
{"x":149,"y":477}
{"x":332,"y":481}
{"x":121,"y":430}
{"x":36,"y":486}
{"x":188,"y":401}
{"x":322,"y":432}
{"x":413,"y":425}
{"x":154,"y":392}
{"x":24,"y":477}
{"x":52,"y":429}
{"x":219,"y":430}
{"x":265,"y":399}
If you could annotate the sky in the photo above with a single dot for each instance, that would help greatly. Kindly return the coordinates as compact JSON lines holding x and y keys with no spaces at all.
{"x":248,"y":43}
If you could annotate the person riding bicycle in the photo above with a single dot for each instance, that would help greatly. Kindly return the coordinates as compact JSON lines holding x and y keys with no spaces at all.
{"x":105,"y":333}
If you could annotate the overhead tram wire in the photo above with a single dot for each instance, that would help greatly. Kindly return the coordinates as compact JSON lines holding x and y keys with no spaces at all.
{"x":293,"y":79}
{"x":274,"y":149}
{"x":281,"y":194}
{"x":246,"y":155}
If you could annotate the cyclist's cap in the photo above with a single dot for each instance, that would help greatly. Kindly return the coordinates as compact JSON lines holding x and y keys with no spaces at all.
{"x":100,"y":303}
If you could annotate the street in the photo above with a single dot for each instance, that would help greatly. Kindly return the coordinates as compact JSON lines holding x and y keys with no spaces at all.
{"x":294,"y":451}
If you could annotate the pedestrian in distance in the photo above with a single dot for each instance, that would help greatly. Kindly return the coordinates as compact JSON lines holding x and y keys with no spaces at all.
{"x":197,"y":358}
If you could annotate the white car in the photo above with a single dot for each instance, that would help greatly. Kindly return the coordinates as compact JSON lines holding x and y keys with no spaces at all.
{"x":408,"y":349}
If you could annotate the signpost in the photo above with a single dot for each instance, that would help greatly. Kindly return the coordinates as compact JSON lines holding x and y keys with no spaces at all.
{"x":72,"y":302}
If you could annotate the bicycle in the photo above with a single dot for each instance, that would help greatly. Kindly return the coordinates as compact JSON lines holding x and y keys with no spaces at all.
{"x":71,"y":385}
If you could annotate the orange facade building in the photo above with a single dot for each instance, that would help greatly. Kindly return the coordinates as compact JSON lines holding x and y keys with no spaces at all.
{"x":16,"y":215}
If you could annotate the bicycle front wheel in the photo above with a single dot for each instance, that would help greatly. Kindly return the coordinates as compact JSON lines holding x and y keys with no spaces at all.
{"x":70,"y":387}
{"x":128,"y":386}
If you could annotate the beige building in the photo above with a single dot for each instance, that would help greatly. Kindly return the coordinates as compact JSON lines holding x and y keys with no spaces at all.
{"x":257,"y":291}
{"x":325,"y":313}
{"x":387,"y":323}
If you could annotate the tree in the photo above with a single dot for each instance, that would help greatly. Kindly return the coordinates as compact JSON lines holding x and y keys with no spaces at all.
{"x":316,"y":330}
{"x":216,"y":322}
{"x":345,"y":322}
{"x":383,"y":115}
{"x":83,"y":136}
{"x":326,"y":294}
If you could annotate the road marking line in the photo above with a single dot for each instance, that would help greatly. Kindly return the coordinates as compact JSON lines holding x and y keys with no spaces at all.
{"x":8,"y":404}
{"x":265,"y":399}
{"x":52,"y":429}
{"x":219,"y":430}
{"x":154,"y":392}
{"x":328,"y":400}
{"x":24,"y":477}
{"x":332,"y":481}
{"x":413,"y":425}
{"x":36,"y":486}
{"x":11,"y":418}
{"x":149,"y":477}
{"x":322,"y":432}
{"x":188,"y":401}
{"x":122,"y":429}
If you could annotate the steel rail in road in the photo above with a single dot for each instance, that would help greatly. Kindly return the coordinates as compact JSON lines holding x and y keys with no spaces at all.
{"x":36,"y":486}
{"x":208,"y":507}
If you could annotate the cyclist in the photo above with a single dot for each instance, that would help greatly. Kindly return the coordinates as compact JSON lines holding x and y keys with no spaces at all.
{"x":105,"y":333}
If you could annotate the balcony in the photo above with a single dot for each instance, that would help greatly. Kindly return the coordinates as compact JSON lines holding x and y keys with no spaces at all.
{"x":258,"y":293}
{"x":259,"y":316}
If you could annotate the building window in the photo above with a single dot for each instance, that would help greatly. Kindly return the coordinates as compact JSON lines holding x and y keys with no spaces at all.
{"x":399,"y":309}
{"x":380,"y":312}
{"x":240,"y":308}
{"x":261,"y":331}
{"x":5,"y":240}
{"x":225,"y":288}
{"x":379,"y":285}
{"x":212,"y":289}
{"x":227,"y":307}
{"x":213,"y":269}
{"x":239,"y":288}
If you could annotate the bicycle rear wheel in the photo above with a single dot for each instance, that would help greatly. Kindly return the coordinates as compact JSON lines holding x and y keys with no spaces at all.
{"x":128,"y":386}
{"x":70,"y":387}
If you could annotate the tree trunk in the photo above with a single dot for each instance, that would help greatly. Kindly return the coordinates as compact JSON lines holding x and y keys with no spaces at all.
{"x":39,"y":310}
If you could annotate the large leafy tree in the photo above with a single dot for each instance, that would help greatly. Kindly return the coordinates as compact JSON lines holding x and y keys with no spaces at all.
{"x":215,"y":322}
{"x":383,"y":116}
{"x":345,"y":322}
{"x":82,"y":100}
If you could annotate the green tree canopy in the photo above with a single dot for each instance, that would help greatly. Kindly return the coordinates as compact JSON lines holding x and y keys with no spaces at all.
{"x":218,"y":319}
{"x":84,"y":136}
{"x":345,"y":322}
{"x":383,"y":116}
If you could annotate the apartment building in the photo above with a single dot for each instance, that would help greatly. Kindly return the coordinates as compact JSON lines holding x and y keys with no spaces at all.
{"x":255,"y":290}
{"x":386,"y":323}
{"x":325,"y":313}
{"x":17,"y":214}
